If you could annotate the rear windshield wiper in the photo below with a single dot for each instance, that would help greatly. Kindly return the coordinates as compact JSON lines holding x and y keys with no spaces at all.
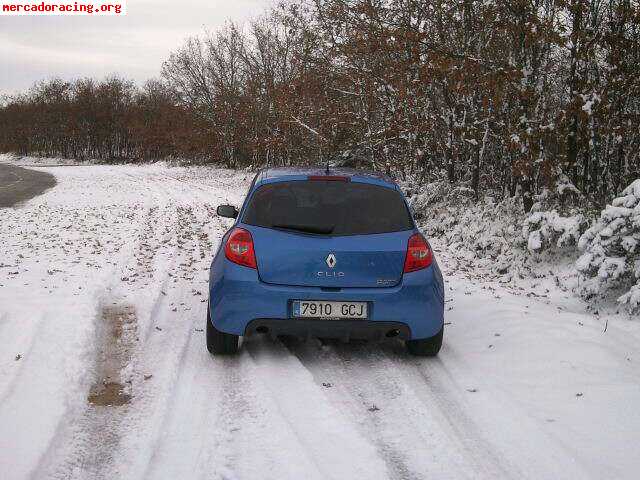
{"x":322,"y":230}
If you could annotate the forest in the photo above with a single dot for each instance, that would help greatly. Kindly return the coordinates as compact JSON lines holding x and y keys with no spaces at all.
{"x":501,"y":98}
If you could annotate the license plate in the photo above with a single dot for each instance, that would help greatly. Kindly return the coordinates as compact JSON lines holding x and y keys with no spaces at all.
{"x":321,"y":309}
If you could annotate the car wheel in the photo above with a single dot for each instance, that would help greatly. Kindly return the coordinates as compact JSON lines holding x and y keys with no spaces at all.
{"x":426,"y":347}
{"x":220,"y":343}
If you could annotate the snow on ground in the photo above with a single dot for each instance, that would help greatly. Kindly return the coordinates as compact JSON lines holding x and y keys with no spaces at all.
{"x":25,"y":161}
{"x":105,"y":275}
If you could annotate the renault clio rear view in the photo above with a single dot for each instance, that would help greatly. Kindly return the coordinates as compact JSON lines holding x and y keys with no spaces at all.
{"x":327,"y":254}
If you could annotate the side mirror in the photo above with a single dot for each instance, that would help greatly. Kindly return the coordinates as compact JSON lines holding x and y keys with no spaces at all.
{"x":227,"y":211}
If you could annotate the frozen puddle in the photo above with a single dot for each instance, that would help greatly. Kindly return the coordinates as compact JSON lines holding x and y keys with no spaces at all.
{"x":116,"y":332}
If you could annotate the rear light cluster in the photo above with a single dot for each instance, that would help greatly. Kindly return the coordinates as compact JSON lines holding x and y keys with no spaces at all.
{"x":239,"y":248}
{"x":419,"y":254}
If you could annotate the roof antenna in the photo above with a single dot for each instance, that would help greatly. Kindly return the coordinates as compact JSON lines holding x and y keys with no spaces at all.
{"x":327,"y":171}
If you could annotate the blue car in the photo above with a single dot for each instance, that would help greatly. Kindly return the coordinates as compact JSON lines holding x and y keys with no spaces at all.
{"x":327,"y":254}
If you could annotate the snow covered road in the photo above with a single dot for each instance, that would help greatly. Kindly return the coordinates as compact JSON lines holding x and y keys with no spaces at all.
{"x":104,"y":372}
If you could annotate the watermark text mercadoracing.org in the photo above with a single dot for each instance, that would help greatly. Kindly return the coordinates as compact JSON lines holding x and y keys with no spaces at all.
{"x":63,"y":7}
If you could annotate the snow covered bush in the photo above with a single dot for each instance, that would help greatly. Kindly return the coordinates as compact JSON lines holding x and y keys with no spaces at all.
{"x":496,"y":236}
{"x":547,"y":229}
{"x":611,"y":258}
{"x":477,"y":230}
{"x":556,"y":219}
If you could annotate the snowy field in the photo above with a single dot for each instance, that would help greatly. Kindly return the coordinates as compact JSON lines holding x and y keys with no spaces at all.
{"x":104,"y":371}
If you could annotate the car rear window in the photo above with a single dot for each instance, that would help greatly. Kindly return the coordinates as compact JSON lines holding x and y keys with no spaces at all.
{"x":328,"y":207}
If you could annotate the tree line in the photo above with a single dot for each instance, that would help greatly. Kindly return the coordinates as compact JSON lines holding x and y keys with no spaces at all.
{"x":497,"y":97}
{"x":109,"y":120}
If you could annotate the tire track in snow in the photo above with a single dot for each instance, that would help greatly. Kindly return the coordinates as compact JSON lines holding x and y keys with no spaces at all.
{"x":172,"y":347}
{"x":218,"y":426}
{"x":85,"y":443}
{"x":174,"y":339}
{"x":414,"y":443}
{"x":321,"y":430}
{"x":74,"y":433}
{"x":65,"y":458}
{"x":364,"y":406}
{"x":229,"y":393}
{"x":219,"y":454}
{"x":426,"y":378}
{"x":335,"y":372}
{"x":442,"y":378}
{"x":163,"y":353}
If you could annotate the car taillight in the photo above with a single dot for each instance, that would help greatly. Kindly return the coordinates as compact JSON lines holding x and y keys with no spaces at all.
{"x":239,"y":248}
{"x":419,"y":254}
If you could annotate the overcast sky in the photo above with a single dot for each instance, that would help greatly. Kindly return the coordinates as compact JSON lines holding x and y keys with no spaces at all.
{"x":134,"y":46}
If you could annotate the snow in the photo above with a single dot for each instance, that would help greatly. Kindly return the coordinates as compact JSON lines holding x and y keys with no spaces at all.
{"x":534,"y":242}
{"x":526,"y":373}
{"x":632,"y":297}
{"x":38,"y":161}
{"x":589,"y":102}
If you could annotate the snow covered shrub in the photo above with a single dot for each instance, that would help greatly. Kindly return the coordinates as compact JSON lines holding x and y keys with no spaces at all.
{"x":483,"y":230}
{"x":497,"y":235}
{"x":547,"y":229}
{"x":611,"y":257}
{"x":555,"y":219}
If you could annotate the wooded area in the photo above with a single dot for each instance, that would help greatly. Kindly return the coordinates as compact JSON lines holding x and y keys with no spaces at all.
{"x":499,"y":97}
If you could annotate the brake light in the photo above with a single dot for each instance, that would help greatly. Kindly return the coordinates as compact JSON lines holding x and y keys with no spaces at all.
{"x":419,"y":254}
{"x":239,"y":248}
{"x":329,"y":178}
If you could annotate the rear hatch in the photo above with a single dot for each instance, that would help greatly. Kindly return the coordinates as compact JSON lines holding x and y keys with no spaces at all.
{"x":357,"y":261}
{"x":336,"y":234}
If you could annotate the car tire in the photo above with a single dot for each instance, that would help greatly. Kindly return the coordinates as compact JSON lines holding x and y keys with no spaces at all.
{"x":426,"y":347}
{"x":220,"y":343}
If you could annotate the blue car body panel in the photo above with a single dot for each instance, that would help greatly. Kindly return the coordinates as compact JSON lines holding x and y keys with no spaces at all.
{"x":238,"y":294}
{"x":298,"y":258}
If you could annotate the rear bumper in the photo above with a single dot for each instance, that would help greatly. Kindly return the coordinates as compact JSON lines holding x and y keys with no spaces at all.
{"x":239,"y":301}
{"x":344,"y":330}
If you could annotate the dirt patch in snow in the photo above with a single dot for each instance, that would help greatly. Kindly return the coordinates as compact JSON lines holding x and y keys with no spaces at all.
{"x":117,"y":334}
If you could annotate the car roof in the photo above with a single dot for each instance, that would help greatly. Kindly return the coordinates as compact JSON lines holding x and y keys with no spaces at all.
{"x":283,"y":174}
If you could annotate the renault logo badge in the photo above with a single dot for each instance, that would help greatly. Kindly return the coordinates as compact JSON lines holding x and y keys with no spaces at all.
{"x":331,"y":260}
